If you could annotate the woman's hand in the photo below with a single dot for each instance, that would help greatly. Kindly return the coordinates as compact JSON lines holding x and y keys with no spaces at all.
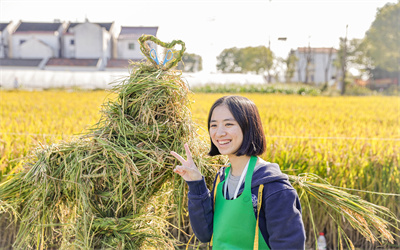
{"x":188,"y":169}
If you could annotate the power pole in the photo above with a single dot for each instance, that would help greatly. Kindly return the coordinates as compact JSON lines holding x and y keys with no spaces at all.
{"x":344,"y":64}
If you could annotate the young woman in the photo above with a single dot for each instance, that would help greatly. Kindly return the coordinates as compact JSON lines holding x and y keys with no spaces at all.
{"x":252,"y":205}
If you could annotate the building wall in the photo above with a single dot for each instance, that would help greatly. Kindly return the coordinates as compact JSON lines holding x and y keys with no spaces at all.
{"x":35,"y":49}
{"x":5,"y":36}
{"x":68,"y":46}
{"x":123,"y":50}
{"x":89,"y":41}
{"x":316,"y":68}
{"x":49,"y":39}
{"x":2,"y":43}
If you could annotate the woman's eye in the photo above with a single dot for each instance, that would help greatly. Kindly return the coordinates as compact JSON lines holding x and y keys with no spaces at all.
{"x":213,"y":126}
{"x":229,"y":124}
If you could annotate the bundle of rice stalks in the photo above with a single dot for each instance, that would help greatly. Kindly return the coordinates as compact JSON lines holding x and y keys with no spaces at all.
{"x":103,"y":190}
{"x":375,"y":223}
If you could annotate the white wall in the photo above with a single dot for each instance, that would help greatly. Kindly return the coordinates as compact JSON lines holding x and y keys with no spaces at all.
{"x":125,"y":53}
{"x":88,"y":41}
{"x":2,"y":43}
{"x":37,"y":79}
{"x":50,"y":39}
{"x":68,"y":50}
{"x":317,"y":67}
{"x":6,"y":41}
{"x":34,"y":48}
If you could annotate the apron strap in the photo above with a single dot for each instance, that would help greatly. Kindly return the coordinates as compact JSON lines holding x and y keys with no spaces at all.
{"x":215,"y":193}
{"x":259,"y":201}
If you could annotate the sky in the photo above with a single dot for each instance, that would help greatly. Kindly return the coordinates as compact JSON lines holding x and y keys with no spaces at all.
{"x":209,"y":26}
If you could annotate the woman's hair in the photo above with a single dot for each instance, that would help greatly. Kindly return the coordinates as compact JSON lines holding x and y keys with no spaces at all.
{"x":246,"y":114}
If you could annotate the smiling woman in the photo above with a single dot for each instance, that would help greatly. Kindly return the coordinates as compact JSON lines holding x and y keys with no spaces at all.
{"x":270,"y":217}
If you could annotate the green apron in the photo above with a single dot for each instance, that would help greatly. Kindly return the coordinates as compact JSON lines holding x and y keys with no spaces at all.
{"x":234,"y":220}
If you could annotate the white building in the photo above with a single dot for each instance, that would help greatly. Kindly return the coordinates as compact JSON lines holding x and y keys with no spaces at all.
{"x":5,"y":31}
{"x":71,"y":46}
{"x":36,"y":40}
{"x":320,"y":68}
{"x":88,"y":40}
{"x":128,"y":46}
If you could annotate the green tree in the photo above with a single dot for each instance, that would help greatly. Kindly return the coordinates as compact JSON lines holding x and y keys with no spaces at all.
{"x":290,"y":61}
{"x":347,"y":54}
{"x":382,"y":40}
{"x":228,"y":60}
{"x":242,"y":60}
{"x":190,"y":63}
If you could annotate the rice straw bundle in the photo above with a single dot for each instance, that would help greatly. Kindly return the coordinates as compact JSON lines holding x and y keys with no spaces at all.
{"x":373,"y":222}
{"x":104,"y":189}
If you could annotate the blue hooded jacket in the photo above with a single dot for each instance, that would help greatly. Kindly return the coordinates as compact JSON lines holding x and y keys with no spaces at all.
{"x":280,"y":221}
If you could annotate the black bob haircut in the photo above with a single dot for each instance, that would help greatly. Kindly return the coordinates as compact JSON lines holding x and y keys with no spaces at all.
{"x":246,"y":114}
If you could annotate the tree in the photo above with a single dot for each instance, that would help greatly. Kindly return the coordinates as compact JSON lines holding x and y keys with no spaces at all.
{"x":348,"y":53}
{"x":228,"y":60}
{"x":382,"y":40}
{"x":309,"y":57}
{"x":290,"y":66}
{"x":242,"y":60}
{"x":327,"y":65}
{"x":190,"y":63}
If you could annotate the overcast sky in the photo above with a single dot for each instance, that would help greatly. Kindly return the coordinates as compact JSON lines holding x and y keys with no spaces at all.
{"x":209,"y":26}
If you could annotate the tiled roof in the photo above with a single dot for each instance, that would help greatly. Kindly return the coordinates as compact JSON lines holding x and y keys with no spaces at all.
{"x":28,"y":26}
{"x":316,"y":50}
{"x":107,"y":26}
{"x":20,"y":62}
{"x":132,"y":31}
{"x":72,"y":62}
{"x":3,"y":26}
{"x":119,"y":63}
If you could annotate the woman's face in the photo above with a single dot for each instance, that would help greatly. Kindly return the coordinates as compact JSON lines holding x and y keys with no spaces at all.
{"x":225,"y":131}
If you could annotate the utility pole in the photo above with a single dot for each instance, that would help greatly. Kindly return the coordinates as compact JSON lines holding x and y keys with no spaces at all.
{"x":344,"y":64}
{"x":269,"y":50}
{"x":308,"y":55}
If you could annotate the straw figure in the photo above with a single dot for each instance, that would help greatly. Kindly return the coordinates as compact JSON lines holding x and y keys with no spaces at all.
{"x":114,"y":187}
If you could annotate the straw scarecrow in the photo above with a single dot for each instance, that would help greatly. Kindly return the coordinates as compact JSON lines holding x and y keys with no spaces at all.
{"x":114,"y":187}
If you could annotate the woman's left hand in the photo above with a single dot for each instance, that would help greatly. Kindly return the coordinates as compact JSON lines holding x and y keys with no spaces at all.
{"x":188,"y":170}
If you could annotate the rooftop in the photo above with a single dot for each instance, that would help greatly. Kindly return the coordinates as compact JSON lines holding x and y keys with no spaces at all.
{"x":29,"y":26}
{"x":107,"y":26}
{"x":20,"y":62}
{"x":127,"y":32}
{"x":72,"y":62}
{"x":3,"y":26}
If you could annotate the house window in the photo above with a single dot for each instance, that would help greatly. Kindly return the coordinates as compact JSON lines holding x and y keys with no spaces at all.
{"x":72,"y":42}
{"x":22,"y":41}
{"x":131,"y":46}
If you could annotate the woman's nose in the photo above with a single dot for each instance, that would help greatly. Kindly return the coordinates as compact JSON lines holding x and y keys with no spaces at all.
{"x":220,"y":131}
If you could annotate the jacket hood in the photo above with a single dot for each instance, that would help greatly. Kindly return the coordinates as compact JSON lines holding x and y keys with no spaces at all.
{"x":268,"y":173}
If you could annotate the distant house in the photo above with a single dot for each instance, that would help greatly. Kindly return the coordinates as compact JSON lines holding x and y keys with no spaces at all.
{"x":127,"y":45}
{"x":36,"y":40}
{"x":315,"y":65}
{"x":57,"y":46}
{"x":5,"y":31}
{"x":88,"y":40}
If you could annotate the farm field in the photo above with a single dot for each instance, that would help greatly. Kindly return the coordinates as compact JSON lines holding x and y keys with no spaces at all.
{"x":352,"y":142}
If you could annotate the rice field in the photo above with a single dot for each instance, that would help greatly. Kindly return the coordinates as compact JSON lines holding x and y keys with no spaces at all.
{"x":352,"y":142}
